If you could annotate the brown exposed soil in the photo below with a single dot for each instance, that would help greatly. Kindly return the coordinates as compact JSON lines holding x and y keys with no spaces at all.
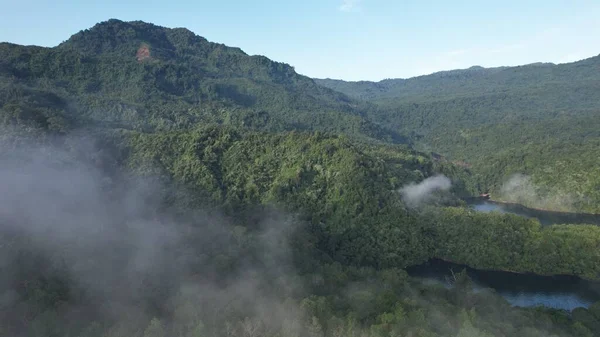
{"x":143,"y":53}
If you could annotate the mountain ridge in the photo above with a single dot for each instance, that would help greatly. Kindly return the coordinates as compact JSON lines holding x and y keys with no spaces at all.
{"x":148,"y":77}
{"x":534,"y":119}
{"x":164,"y":186}
{"x":402,"y":88}
{"x":456,"y":70}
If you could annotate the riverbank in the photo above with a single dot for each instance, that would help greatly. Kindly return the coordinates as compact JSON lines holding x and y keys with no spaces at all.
{"x":513,"y":204}
{"x":483,"y":237}
{"x":515,"y":272}
{"x":561,"y":292}
{"x":546,"y":217}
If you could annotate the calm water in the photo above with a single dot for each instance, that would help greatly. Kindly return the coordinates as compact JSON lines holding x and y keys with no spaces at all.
{"x":546,"y":218}
{"x":559,"y":292}
{"x":524,"y":290}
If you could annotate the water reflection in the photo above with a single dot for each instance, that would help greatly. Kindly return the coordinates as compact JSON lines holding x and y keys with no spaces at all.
{"x":524,"y":290}
{"x":545,"y":217}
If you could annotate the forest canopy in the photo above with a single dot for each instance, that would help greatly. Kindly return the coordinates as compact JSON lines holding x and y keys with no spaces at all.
{"x":163,"y":185}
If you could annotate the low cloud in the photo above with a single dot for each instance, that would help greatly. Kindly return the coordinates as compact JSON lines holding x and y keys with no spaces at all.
{"x":423,"y":192}
{"x":521,"y":189}
{"x":125,"y":256}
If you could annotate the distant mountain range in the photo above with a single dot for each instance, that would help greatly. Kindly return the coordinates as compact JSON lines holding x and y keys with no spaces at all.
{"x":486,"y":95}
{"x":540,"y":119}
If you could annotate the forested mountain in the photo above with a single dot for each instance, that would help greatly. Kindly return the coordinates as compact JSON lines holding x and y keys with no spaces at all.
{"x":540,"y":88}
{"x":140,"y":76}
{"x":156,"y":184}
{"x":216,"y":230}
{"x":539,"y":120}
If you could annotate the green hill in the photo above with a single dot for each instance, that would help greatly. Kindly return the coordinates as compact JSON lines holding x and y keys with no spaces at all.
{"x":539,"y":120}
{"x":350,"y":193}
{"x":140,"y":76}
{"x":489,"y":94}
{"x":160,"y":185}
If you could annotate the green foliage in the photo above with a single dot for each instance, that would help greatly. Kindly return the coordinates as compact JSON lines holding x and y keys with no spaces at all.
{"x":169,"y":105}
{"x":348,"y":193}
{"x":332,"y":181}
{"x":97,"y":77}
{"x":540,"y":120}
{"x":346,"y":190}
{"x":559,"y":156}
{"x":514,"y":243}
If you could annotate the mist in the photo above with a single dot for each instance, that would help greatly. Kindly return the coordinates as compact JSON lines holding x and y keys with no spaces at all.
{"x":111,"y":247}
{"x":88,"y":250}
{"x":521,"y":189}
{"x":415,"y":194}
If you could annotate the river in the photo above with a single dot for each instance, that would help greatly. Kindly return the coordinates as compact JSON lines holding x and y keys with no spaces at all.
{"x":523,"y":290}
{"x":545,"y":217}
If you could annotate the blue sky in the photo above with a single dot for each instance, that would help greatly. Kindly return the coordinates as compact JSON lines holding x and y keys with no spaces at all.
{"x":344,"y":39}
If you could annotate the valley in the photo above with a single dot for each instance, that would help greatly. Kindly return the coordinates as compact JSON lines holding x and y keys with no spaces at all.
{"x":538,"y":121}
{"x":164,"y":185}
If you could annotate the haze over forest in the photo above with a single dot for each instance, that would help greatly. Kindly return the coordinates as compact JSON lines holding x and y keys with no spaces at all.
{"x":164,"y":185}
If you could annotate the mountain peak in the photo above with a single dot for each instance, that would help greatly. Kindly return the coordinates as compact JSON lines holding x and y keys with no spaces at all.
{"x":129,"y":38}
{"x":149,"y":77}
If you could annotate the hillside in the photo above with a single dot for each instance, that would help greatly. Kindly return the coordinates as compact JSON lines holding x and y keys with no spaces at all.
{"x":220,"y":230}
{"x":344,"y":186}
{"x":350,"y":192}
{"x":161,"y":185}
{"x":539,"y":120}
{"x":139,"y":76}
{"x":570,"y":81}
{"x":479,"y":96}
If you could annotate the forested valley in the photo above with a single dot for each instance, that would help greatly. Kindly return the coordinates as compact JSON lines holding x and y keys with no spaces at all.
{"x":157,"y":184}
{"x":539,"y":120}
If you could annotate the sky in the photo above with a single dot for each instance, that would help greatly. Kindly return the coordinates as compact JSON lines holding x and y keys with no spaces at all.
{"x":343,"y":39}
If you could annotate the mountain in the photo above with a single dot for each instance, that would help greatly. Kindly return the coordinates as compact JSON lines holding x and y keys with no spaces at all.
{"x":539,"y":120}
{"x":395,"y":88}
{"x":473,"y":82}
{"x":140,"y":76}
{"x":157,"y":184}
{"x":480,"y":96}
